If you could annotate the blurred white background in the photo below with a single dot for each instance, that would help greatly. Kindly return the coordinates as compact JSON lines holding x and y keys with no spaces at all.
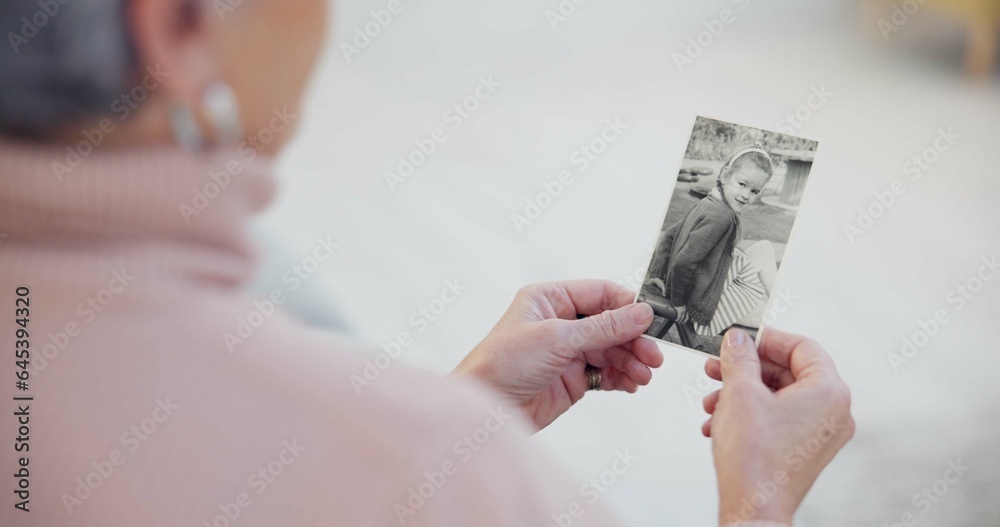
{"x":452,"y":218}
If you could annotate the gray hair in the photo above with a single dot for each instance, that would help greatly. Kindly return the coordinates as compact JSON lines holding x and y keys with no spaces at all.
{"x":61,"y":60}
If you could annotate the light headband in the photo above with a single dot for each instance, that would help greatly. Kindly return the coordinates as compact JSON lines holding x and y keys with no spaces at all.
{"x":744,"y":152}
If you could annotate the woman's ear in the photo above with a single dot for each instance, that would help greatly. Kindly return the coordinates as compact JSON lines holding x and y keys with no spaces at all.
{"x":171,"y":37}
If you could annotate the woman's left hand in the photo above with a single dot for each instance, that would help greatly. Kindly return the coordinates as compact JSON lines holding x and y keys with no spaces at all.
{"x":537,"y":353}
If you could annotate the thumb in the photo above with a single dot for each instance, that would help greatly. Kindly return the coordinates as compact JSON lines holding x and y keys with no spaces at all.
{"x":739,"y":357}
{"x":610,"y":328}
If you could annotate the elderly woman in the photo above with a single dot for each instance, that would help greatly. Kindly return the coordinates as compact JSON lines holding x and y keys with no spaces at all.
{"x":154,"y":391}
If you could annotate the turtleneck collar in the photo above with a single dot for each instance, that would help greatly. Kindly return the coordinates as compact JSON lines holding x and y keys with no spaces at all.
{"x":159,"y":210}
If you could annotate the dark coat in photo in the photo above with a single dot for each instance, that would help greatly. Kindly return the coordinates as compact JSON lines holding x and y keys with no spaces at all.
{"x":693,"y":256}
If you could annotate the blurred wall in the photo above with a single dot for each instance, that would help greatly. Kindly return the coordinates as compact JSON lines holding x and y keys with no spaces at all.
{"x":866,"y":270}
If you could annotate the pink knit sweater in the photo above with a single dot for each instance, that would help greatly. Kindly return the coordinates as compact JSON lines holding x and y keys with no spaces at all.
{"x":144,"y":412}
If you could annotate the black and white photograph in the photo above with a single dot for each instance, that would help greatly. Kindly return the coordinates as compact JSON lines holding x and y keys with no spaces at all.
{"x":727,"y":225}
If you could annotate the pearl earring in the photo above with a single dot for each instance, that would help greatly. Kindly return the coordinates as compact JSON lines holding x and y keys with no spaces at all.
{"x":221,"y":108}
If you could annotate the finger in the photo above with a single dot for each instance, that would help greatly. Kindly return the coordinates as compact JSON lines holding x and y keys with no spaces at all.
{"x":772,"y":374}
{"x":775,"y":376}
{"x":609,"y":329}
{"x":778,"y":345}
{"x":713,"y":368}
{"x":637,"y":371}
{"x":613,"y":379}
{"x":709,"y":402}
{"x":739,"y":358}
{"x":646,"y":351}
{"x":797,"y":353}
{"x":706,"y":428}
{"x":613,"y":356}
{"x":585,"y":297}
{"x":575,"y":380}
{"x":623,"y":360}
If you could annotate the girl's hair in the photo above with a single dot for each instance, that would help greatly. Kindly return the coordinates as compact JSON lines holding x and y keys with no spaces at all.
{"x":754,"y":154}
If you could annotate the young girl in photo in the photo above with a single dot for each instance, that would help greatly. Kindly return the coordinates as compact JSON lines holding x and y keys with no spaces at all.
{"x":707,"y":284}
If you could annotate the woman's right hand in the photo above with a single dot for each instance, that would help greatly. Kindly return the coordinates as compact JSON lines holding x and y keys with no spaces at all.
{"x":781,"y":416}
